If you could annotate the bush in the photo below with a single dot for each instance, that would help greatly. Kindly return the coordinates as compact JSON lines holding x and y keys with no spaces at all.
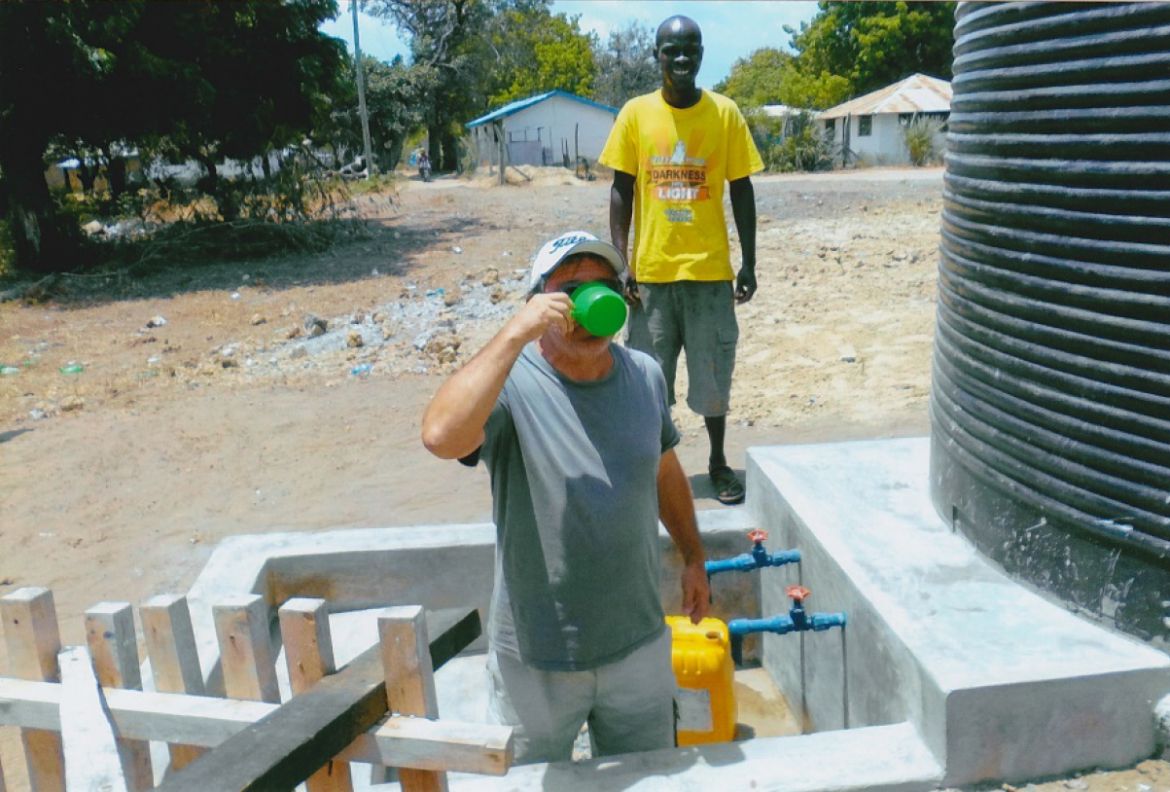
{"x":793,"y":143}
{"x":919,"y":136}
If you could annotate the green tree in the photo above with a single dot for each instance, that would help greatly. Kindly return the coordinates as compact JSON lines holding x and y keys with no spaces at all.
{"x":626,"y":65}
{"x":395,"y":96}
{"x":538,"y":51}
{"x":202,"y":79}
{"x":757,"y":79}
{"x":770,"y":76}
{"x":445,"y":38}
{"x":876,"y":43}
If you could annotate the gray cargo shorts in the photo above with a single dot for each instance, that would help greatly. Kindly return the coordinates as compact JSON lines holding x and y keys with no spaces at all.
{"x":628,"y":704}
{"x":698,"y":316}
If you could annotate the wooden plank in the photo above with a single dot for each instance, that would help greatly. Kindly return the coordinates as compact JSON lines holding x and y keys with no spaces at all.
{"x":167,"y":717}
{"x":174,"y":658}
{"x":285,"y":748}
{"x":92,"y":763}
{"x":401,"y":740}
{"x":109,"y":633}
{"x":410,"y":681}
{"x":406,"y":741}
{"x":245,"y":648}
{"x":308,"y":651}
{"x":33,"y":640}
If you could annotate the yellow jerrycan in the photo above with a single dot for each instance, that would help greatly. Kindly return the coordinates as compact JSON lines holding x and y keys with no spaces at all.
{"x":700,"y":655}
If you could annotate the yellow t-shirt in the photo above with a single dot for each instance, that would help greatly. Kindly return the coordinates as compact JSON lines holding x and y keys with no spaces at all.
{"x":681,"y":160}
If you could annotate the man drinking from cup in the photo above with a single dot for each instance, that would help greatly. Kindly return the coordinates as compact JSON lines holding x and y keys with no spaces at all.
{"x":577,"y":436}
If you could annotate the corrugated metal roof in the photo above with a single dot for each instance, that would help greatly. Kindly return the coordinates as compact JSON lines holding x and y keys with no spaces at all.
{"x":915,"y":94}
{"x":520,"y":104}
{"x":779,"y":110}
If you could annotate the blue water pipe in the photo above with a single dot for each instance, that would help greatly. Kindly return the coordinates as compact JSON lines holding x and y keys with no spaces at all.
{"x":758,"y":558}
{"x":797,"y":620}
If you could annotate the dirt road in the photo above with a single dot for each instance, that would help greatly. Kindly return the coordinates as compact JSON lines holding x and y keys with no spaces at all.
{"x":236,"y":413}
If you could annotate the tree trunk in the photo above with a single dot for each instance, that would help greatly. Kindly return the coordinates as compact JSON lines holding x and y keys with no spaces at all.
{"x":87,"y":175}
{"x":32,"y":222}
{"x":266,"y":165}
{"x":212,"y":179}
{"x":116,"y":175}
{"x":434,"y":147}
{"x":393,"y":154}
{"x":450,"y":153}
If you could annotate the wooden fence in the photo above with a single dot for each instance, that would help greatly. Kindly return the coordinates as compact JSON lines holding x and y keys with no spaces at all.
{"x":85,"y":722}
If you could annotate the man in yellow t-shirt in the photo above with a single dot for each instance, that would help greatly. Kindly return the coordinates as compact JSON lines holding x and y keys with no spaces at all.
{"x":671,"y":152}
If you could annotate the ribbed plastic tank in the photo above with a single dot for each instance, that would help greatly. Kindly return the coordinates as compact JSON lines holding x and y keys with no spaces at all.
{"x":1050,"y":403}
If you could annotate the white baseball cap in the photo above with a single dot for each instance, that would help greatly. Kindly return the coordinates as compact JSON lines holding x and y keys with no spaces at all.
{"x":555,"y":251}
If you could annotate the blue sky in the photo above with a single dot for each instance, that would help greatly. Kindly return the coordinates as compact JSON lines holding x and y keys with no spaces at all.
{"x":732,"y":29}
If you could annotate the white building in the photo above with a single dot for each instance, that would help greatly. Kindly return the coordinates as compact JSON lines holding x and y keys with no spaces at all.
{"x":870,"y":128}
{"x":552,"y":128}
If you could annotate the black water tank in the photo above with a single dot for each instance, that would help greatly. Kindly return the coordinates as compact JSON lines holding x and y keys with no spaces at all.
{"x":1051,"y":395}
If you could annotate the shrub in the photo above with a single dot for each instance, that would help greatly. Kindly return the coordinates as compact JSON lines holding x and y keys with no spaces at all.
{"x":792,"y":143}
{"x":919,"y":136}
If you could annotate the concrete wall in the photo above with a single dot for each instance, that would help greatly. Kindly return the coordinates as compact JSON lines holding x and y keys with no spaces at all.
{"x":437,"y":566}
{"x":1001,"y":684}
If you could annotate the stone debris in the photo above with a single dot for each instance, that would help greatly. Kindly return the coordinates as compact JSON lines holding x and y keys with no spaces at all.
{"x":156,"y":321}
{"x":404,"y":335}
{"x":258,"y":319}
{"x":72,"y":403}
{"x":314,"y":325}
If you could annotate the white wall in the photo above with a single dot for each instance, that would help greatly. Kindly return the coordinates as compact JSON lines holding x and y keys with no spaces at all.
{"x":883,"y":146}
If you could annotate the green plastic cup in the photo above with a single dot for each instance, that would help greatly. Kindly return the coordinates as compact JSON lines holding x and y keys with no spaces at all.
{"x":599,"y":309}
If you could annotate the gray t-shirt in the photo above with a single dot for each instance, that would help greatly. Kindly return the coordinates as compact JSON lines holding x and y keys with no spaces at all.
{"x":574,"y":471}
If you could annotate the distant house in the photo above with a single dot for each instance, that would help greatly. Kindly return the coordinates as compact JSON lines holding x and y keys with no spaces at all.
{"x":869,"y":128}
{"x":552,"y":128}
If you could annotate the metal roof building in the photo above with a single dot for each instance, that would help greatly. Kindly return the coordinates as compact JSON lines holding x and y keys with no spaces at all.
{"x":870,"y":127}
{"x":554,"y":127}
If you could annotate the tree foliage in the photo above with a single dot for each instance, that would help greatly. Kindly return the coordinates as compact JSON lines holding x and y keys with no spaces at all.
{"x":445,"y":37}
{"x":484,"y":53}
{"x":395,"y":101}
{"x":533,"y":50}
{"x":770,"y":76}
{"x":626,"y":65}
{"x":846,"y":50}
{"x":876,"y":43}
{"x":201,"y":79}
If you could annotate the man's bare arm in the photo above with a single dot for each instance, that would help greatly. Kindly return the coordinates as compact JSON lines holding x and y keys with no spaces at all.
{"x":676,"y":509}
{"x":452,"y":425}
{"x":743,"y":209}
{"x":621,"y":212}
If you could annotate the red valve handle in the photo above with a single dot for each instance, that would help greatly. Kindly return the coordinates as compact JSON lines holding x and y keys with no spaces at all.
{"x":758,"y":535}
{"x":797,"y":593}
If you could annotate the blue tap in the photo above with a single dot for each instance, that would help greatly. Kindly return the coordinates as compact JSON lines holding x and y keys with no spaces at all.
{"x":797,"y":620}
{"x":758,"y":558}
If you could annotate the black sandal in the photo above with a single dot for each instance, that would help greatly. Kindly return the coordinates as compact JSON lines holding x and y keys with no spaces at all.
{"x":728,"y":489}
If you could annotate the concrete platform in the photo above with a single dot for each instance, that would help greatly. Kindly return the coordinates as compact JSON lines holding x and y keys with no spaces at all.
{"x":1000,"y":683}
{"x":949,"y":673}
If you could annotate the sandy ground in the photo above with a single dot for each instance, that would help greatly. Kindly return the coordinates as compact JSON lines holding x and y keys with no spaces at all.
{"x":231,"y":416}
